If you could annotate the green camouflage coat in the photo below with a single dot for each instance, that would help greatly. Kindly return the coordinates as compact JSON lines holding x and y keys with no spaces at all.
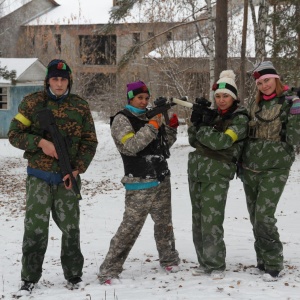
{"x":210,"y":169}
{"x":74,"y":121}
{"x":267,"y":151}
{"x":267,"y":158}
{"x":216,"y":152}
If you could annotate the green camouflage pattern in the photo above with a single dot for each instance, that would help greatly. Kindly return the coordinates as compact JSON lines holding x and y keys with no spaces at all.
{"x":267,"y":130}
{"x":215,"y":150}
{"x":263,"y":191}
{"x":74,"y":121}
{"x":266,"y":162}
{"x":267,"y":151}
{"x":210,"y":169}
{"x":155,"y":201}
{"x":208,"y":208}
{"x":40,"y":201}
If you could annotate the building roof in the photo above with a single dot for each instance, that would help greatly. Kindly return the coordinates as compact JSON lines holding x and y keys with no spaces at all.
{"x":8,"y":6}
{"x":27,"y":69}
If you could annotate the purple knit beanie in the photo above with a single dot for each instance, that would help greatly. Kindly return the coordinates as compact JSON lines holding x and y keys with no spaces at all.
{"x":135,"y":88}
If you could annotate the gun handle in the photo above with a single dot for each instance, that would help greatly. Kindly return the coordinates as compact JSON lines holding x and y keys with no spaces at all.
{"x":166,"y":116}
{"x":75,"y":187}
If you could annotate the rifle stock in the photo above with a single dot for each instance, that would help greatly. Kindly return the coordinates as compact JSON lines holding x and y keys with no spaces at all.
{"x":47,"y":122}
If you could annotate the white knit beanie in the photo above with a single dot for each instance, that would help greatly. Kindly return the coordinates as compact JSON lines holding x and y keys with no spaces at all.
{"x":226,"y":84}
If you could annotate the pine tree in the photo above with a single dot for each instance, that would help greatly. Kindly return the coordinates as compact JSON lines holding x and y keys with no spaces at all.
{"x":284,"y":39}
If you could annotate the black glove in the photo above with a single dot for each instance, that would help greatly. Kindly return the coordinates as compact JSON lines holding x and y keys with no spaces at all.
{"x":196,"y":117}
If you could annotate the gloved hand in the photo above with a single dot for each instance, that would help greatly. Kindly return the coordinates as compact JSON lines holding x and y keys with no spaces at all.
{"x":295,"y":108}
{"x":196,"y":117}
{"x":156,"y":121}
{"x":173,"y":122}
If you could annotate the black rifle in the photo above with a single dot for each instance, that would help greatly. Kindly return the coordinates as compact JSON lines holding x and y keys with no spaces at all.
{"x":202,"y":113}
{"x":296,"y":91}
{"x":47,"y":122}
{"x":162,"y":105}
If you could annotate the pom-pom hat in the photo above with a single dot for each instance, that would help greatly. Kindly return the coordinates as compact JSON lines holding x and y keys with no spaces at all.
{"x":135,"y":88}
{"x":226,"y":84}
{"x":264,"y":70}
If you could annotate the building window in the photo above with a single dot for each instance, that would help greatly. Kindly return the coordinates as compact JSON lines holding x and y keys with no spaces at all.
{"x":98,"y":49}
{"x":136,"y":38}
{"x":57,"y":43}
{"x":3,"y":98}
{"x":117,"y":2}
{"x":169,"y":36}
{"x":152,"y":42}
{"x":45,"y":43}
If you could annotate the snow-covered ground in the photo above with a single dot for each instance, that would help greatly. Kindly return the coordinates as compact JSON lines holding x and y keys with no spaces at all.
{"x":143,"y":279}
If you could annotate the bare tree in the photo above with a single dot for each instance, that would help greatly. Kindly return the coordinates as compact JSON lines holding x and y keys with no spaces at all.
{"x":211,"y":44}
{"x":260,"y":27}
{"x":243,"y":53}
{"x":284,"y":39}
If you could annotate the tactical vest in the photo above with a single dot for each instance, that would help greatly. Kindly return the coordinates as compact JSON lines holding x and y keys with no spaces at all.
{"x":269,"y":123}
{"x":149,"y":163}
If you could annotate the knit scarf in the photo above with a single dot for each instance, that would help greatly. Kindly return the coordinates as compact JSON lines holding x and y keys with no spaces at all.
{"x":273,"y":95}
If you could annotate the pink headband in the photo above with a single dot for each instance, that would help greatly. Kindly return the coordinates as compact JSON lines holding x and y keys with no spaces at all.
{"x":266,"y":76}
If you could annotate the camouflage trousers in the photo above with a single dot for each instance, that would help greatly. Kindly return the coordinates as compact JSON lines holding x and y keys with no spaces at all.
{"x":263,"y":191}
{"x":155,"y":201}
{"x":41,"y":199}
{"x":208,"y":209}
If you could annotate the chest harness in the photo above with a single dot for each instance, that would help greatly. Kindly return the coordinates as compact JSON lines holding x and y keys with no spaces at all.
{"x":149,"y":163}
{"x":269,"y":123}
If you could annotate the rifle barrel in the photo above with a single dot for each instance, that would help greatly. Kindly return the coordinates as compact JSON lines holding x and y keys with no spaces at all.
{"x":182,"y":103}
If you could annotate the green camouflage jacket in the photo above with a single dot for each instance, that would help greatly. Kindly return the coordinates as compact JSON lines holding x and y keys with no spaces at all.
{"x":217,"y":149}
{"x":271,"y":147}
{"x":74,"y":121}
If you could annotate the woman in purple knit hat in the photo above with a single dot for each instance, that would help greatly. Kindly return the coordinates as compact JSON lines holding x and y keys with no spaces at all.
{"x":144,"y":147}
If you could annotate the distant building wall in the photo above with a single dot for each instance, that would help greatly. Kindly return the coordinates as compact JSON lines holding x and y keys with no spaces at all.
{"x":10,"y":24}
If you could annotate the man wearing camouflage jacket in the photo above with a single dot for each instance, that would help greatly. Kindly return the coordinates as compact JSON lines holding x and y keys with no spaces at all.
{"x":144,"y":146}
{"x":218,"y":141}
{"x":46,"y":189}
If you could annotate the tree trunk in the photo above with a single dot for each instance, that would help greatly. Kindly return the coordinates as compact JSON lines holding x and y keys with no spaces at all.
{"x":297,"y":12}
{"x":221,"y":37}
{"x":260,"y":28}
{"x":243,"y":54}
{"x":210,"y":47}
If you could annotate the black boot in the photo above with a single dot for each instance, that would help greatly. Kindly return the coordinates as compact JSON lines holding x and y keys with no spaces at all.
{"x":261,"y":267}
{"x":74,"y":283}
{"x":27,"y":286}
{"x":273,"y":273}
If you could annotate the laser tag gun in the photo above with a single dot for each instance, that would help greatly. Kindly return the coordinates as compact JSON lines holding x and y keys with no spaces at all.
{"x":296,"y":91}
{"x":162,"y":105}
{"x":47,"y":122}
{"x":202,"y":113}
